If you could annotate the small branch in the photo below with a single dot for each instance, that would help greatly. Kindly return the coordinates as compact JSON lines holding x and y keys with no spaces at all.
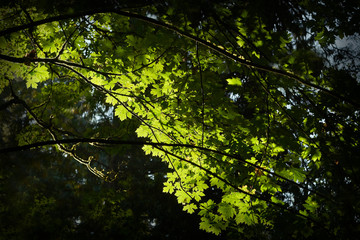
{"x":61,"y":147}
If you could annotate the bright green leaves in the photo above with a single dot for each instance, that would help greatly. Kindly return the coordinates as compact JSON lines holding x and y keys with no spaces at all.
{"x":97,"y":79}
{"x":237,"y":134}
{"x":208,"y":226}
{"x":235,"y":205}
{"x":316,"y":155}
{"x":183,"y":197}
{"x":80,"y":42}
{"x":48,"y":30}
{"x":143,"y":131}
{"x":226,"y":211}
{"x":210,"y":221}
{"x":295,"y":174}
{"x":276,"y":150}
{"x":186,"y":176}
{"x":233,"y":209}
{"x":234,"y":198}
{"x":190,"y":208}
{"x":270,"y":187}
{"x":37,"y":75}
{"x":52,"y":46}
{"x":310,"y":150}
{"x":122,"y":112}
{"x":157,"y":91}
{"x":50,"y":38}
{"x":217,"y":183}
{"x":168,"y":187}
{"x":234,"y":81}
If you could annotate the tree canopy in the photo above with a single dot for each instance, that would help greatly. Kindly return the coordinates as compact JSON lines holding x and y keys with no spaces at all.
{"x":253,"y":106}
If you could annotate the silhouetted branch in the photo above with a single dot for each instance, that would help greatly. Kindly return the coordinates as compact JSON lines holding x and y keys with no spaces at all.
{"x":207,"y":44}
{"x":109,"y":142}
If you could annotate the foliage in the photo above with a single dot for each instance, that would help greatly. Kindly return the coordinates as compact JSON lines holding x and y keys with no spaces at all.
{"x":44,"y":194}
{"x":258,"y":126}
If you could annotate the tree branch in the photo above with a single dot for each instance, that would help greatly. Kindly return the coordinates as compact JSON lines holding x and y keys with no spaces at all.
{"x":237,"y":58}
{"x":207,"y":44}
{"x":108,"y":142}
{"x":53,"y":19}
{"x":291,"y":210}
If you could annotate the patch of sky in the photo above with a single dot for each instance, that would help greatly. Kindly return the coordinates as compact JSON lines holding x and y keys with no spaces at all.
{"x":151,"y":175}
{"x":234,"y":96}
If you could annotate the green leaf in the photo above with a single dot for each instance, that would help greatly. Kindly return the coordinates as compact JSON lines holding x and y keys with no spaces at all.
{"x":168,"y":187}
{"x":244,"y":218}
{"x":319,"y":36}
{"x":216,"y":182}
{"x":143,"y":131}
{"x":276,"y":200}
{"x":233,"y":198}
{"x":182,"y":197}
{"x":316,"y":156}
{"x":299,"y":174}
{"x":206,"y":225}
{"x":311,"y":205}
{"x":121,"y":112}
{"x":39,"y":74}
{"x":256,"y":54}
{"x":234,"y":81}
{"x":226,"y":210}
{"x":190,"y":208}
